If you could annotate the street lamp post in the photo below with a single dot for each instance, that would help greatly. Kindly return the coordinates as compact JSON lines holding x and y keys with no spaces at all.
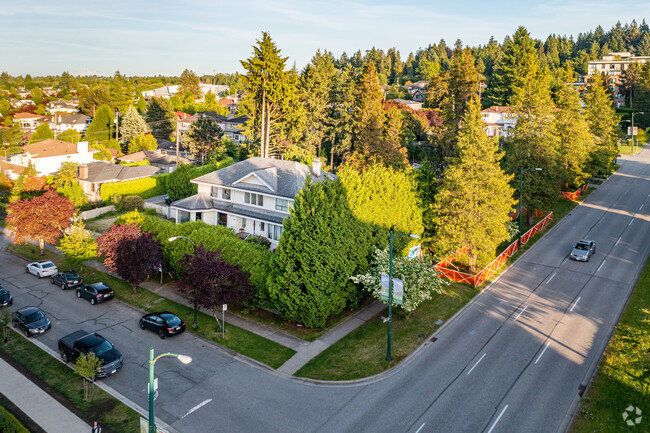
{"x":521,"y":194}
{"x":172,"y":239}
{"x":152,"y":361}
{"x":390,"y":290}
{"x":633,"y":135}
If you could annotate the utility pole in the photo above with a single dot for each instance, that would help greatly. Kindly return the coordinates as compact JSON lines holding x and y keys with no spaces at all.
{"x":178,"y":141}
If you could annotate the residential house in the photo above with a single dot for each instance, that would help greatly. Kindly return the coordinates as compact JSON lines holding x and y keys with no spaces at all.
{"x":252,"y":197}
{"x":169,"y":91}
{"x":23,"y":93}
{"x":60,"y":123}
{"x":61,"y":106}
{"x":418,"y":90}
{"x":499,"y":121}
{"x":165,"y":162}
{"x":93,"y":175}
{"x":230,"y":125}
{"x":47,"y":156}
{"x":613,"y":66}
{"x":28,"y":121}
{"x":415,"y":105}
{"x":12,"y":171}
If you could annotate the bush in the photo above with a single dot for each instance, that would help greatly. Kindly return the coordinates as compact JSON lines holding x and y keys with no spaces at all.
{"x":130,"y":203}
{"x":9,"y":423}
{"x":145,"y":187}
{"x":179,"y":186}
{"x":259,"y":240}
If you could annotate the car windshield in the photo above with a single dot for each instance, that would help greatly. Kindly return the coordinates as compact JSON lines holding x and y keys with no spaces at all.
{"x":72,"y":275}
{"x":47,"y":265}
{"x":3,"y":292}
{"x":171,"y":320}
{"x":33,"y":317}
{"x":580,"y":246}
{"x":102,"y":347}
{"x":103,"y":290}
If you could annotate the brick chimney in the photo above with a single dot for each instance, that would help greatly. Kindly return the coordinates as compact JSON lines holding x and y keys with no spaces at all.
{"x":316,"y":167}
{"x":83,"y":172}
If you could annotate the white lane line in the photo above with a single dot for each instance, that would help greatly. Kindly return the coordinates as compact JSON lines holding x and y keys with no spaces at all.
{"x":521,"y":312}
{"x":574,"y":304}
{"x":498,"y":418}
{"x":418,"y":431}
{"x":198,"y":406}
{"x":540,"y":355}
{"x":641,"y":207}
{"x":549,"y":280}
{"x":630,"y":223}
{"x":601,"y":265}
{"x":481,"y":359}
{"x":619,"y":239}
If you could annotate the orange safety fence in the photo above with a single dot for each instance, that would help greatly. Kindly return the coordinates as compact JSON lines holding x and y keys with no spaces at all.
{"x":475,"y":280}
{"x":576,"y":194}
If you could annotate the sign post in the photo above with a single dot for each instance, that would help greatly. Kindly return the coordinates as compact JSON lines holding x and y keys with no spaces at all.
{"x":223,"y":321}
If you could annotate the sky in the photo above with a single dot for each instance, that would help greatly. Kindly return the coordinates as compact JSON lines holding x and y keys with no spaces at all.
{"x":146,"y":37}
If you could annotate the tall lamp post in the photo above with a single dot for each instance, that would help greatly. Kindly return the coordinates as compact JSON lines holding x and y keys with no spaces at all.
{"x":521,"y":194}
{"x":152,"y":361}
{"x":172,"y":239}
{"x":634,"y":135}
{"x":390,"y":290}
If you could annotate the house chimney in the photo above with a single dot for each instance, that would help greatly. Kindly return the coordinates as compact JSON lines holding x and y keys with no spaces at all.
{"x":316,"y":166}
{"x":83,"y":172}
{"x":82,"y":147}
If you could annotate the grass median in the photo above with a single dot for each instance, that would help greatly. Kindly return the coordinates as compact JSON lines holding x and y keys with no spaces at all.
{"x":236,"y":339}
{"x":623,"y":376}
{"x":67,"y":387}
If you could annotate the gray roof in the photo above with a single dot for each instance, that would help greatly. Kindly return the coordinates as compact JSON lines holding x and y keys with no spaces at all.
{"x":200,"y":201}
{"x":153,"y":156}
{"x":203,"y":202}
{"x":283,"y":178}
{"x":107,"y":172}
{"x":74,"y":119}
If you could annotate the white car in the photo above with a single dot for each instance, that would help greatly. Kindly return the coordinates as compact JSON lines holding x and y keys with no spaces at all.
{"x":42,"y":269}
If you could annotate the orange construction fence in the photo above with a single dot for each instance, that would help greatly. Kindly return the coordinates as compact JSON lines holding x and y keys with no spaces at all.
{"x":475,"y":280}
{"x":576,"y":194}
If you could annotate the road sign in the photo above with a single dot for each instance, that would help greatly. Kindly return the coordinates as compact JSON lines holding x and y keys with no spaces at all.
{"x":398,"y":290}
{"x":225,"y":307}
{"x":414,"y":252}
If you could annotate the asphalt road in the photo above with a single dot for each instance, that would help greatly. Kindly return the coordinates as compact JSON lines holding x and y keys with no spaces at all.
{"x":512,"y":361}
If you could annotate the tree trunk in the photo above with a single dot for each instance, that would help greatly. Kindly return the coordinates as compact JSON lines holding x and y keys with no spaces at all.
{"x":268,"y":131}
{"x":471,"y":262}
{"x":215,"y":313}
{"x":529,"y":217}
{"x":41,"y":245}
{"x":135,"y":289}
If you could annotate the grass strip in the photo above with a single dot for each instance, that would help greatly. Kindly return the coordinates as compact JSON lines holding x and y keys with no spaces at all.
{"x":623,"y":376}
{"x":67,"y":387}
{"x":236,"y":339}
{"x":9,"y":423}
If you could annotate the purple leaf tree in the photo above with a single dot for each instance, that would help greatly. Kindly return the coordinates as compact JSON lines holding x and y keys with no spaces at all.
{"x":136,"y":258}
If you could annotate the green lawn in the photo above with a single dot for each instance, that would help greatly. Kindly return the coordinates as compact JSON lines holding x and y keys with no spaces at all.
{"x":627,"y":149}
{"x":623,"y":377}
{"x":9,"y":423}
{"x":236,"y":339}
{"x":108,"y":411}
{"x":362,"y":353}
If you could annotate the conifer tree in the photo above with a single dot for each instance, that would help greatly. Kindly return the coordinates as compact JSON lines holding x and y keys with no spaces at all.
{"x":203,"y":136}
{"x":161,"y":118}
{"x":189,"y":82}
{"x":102,"y":126}
{"x":341,"y":114}
{"x":475,"y":197}
{"x":369,"y":116}
{"x":603,"y":122}
{"x":120,"y":93}
{"x":132,"y":125}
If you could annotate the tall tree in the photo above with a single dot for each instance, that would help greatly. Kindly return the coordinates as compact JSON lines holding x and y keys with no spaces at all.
{"x":78,"y":245}
{"x":136,"y":258}
{"x":108,"y":243}
{"x":132,"y":125}
{"x":475,"y":197}
{"x":102,"y":126}
{"x":42,"y":218}
{"x":142,"y":142}
{"x":91,"y":99}
{"x":340,"y":116}
{"x":120,"y":92}
{"x":203,"y":136}
{"x":43,"y":132}
{"x":603,"y":122}
{"x":369,"y":116}
{"x":189,"y":82}
{"x":161,"y":118}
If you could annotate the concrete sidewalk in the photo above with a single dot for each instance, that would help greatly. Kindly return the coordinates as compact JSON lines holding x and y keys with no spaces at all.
{"x":37,"y":404}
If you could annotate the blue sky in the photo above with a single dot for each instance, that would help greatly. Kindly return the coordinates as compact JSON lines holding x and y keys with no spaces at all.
{"x":144,"y":37}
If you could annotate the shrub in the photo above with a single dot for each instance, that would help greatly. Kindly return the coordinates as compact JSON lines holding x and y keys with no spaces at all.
{"x":178,"y":184}
{"x":9,"y":423}
{"x":130,"y":203}
{"x":259,"y":240}
{"x":145,"y":187}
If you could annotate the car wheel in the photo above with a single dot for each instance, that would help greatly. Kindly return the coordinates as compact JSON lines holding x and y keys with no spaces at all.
{"x":141,"y":325}
{"x":52,"y":281}
{"x":39,"y":275}
{"x":13,"y":323}
{"x":64,"y":357}
{"x":92,"y":301}
{"x":594,"y":250}
{"x":78,"y":294}
{"x":27,"y":270}
{"x":62,"y":286}
{"x":26,"y":333}
{"x":161,"y":334}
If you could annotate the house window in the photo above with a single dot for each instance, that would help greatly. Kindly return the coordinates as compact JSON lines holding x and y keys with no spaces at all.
{"x":243,"y":223}
{"x":275,"y":232}
{"x":198,"y":216}
{"x":281,"y":204}
{"x":225,"y":194}
{"x":254,"y":199}
{"x":215,"y":192}
{"x":262,"y":226}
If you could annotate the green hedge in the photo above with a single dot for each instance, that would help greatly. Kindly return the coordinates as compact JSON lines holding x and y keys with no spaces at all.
{"x":145,"y":187}
{"x":9,"y":423}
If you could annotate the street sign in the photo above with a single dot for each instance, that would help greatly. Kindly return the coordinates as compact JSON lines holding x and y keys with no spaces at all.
{"x":225,"y":307}
{"x":414,"y":252}
{"x":398,"y":290}
{"x":635,"y":130}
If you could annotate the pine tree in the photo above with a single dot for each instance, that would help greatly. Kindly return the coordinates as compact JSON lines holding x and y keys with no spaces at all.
{"x":161,"y":118}
{"x":120,"y":93}
{"x":475,"y":197}
{"x":369,"y":117}
{"x":341,"y":114}
{"x":203,"y":136}
{"x":189,"y":82}
{"x":132,"y":125}
{"x":102,"y":126}
{"x":603,"y":122}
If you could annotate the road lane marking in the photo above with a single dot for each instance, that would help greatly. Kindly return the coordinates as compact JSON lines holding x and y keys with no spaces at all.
{"x":575,"y":303}
{"x":498,"y":418}
{"x":619,"y":239}
{"x":470,"y":370}
{"x":601,"y":265}
{"x":521,"y":312}
{"x":549,"y":280}
{"x":540,"y":355}
{"x":630,"y":223}
{"x":418,"y":431}
{"x":198,"y":406}
{"x":641,"y":207}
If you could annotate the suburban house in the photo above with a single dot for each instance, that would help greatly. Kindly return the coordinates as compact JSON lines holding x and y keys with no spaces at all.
{"x":10,"y":170}
{"x":418,"y":90}
{"x":499,"y":121}
{"x":61,"y":106}
{"x":613,"y":66}
{"x":60,"y":123}
{"x":415,"y":105}
{"x":252,"y":197}
{"x":93,"y":175}
{"x":230,"y":125}
{"x":28,"y":121}
{"x":47,"y":156}
{"x":166,"y":163}
{"x":169,"y":91}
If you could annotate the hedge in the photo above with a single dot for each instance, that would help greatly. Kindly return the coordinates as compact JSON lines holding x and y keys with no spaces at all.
{"x":9,"y":423}
{"x":145,"y":187}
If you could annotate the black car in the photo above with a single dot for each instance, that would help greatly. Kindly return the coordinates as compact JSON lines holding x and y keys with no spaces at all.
{"x":95,"y":293}
{"x":67,"y":280}
{"x":165,"y":324}
{"x":5,"y":297}
{"x":31,"y":320}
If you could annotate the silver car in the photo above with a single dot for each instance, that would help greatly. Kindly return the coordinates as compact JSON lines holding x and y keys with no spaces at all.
{"x":582,"y":250}
{"x":42,"y":269}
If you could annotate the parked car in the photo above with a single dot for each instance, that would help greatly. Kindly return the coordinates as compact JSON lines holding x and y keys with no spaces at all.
{"x":42,"y":269}
{"x":95,"y":293}
{"x":82,"y":343}
{"x":165,"y":324}
{"x":31,"y":320}
{"x":67,"y":279}
{"x":582,"y":250}
{"x":5,"y":297}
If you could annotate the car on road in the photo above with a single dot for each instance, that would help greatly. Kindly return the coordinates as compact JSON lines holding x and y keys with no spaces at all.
{"x":82,"y":343}
{"x":164,"y":324}
{"x":5,"y":297}
{"x":95,"y":293}
{"x":67,"y":279}
{"x":31,"y":320}
{"x":582,"y":250}
{"x":42,"y":269}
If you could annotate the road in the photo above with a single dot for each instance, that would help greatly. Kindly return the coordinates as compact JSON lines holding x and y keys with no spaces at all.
{"x":512,"y":361}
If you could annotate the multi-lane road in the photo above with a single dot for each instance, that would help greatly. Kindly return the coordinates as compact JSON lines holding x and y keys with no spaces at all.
{"x":512,"y":361}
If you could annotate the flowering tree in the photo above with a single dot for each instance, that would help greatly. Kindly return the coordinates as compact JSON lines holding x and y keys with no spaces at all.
{"x":420,"y":279}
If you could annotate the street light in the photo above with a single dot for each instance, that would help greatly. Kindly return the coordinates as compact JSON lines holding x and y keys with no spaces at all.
{"x":152,"y":361}
{"x":390,"y":290}
{"x":633,"y":135}
{"x":521,"y":193}
{"x":172,"y":239}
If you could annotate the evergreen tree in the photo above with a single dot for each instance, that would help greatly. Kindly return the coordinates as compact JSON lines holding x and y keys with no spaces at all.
{"x":91,"y":99}
{"x":161,"y":118}
{"x":43,"y":132}
{"x":132,"y":125}
{"x":102,"y":126}
{"x":603,"y":123}
{"x":475,"y":198}
{"x":142,"y":142}
{"x":369,"y":116}
{"x":120,"y":93}
{"x":203,"y":136}
{"x":340,"y":116}
{"x":78,"y":245}
{"x":189,"y":82}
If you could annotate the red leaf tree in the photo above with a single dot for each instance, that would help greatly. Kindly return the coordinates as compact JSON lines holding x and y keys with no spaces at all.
{"x":44,"y":218}
{"x":108,"y":242}
{"x":211,"y":281}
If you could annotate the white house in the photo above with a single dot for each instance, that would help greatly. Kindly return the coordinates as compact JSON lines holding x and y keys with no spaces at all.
{"x":169,"y":91}
{"x":28,"y":122}
{"x":47,"y":156}
{"x":499,"y":121}
{"x":61,"y":106}
{"x":252,"y":197}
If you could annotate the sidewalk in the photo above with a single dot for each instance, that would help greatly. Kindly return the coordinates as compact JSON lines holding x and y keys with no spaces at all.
{"x":44,"y":410}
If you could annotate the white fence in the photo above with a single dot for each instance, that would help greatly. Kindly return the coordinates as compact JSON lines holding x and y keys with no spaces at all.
{"x":94,"y":213}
